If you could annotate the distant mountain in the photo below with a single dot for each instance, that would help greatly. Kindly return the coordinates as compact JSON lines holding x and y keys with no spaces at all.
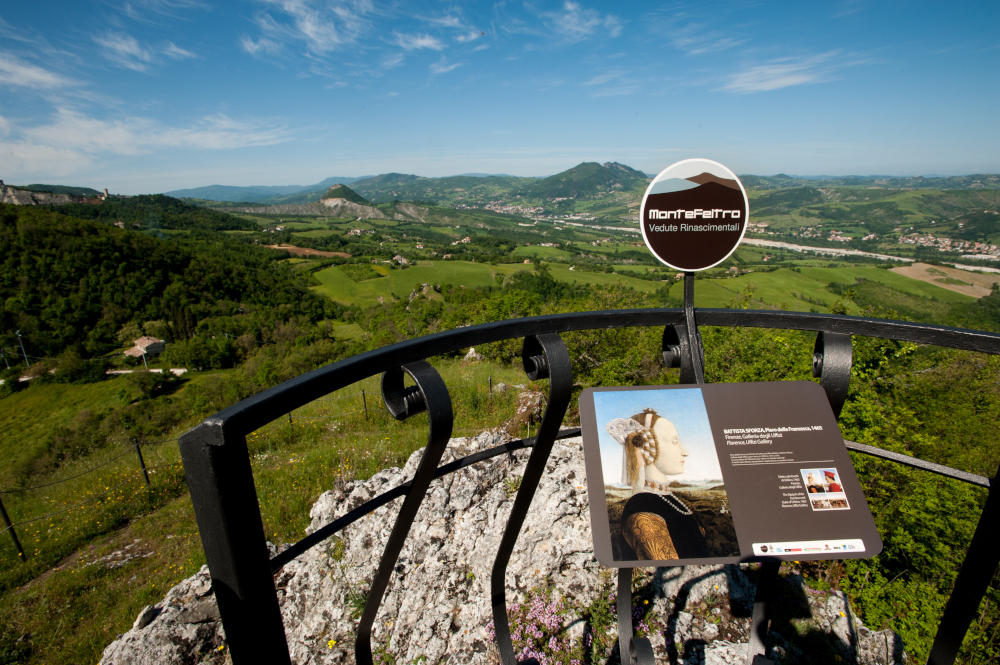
{"x":340,"y":191}
{"x":780,"y":181}
{"x":255,"y":193}
{"x":62,"y":189}
{"x":486,"y":175}
{"x":587,"y":179}
{"x":449,"y":191}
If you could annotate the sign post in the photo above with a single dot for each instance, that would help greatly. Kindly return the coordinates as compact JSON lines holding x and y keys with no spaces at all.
{"x":694,"y":214}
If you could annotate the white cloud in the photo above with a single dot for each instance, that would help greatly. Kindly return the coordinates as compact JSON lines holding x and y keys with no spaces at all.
{"x":125,"y":51}
{"x":481,"y":47}
{"x":442,"y":66}
{"x":72,"y":140}
{"x":694,"y":40}
{"x":575,"y":23}
{"x":324,"y":27}
{"x":470,"y":36}
{"x":410,"y":42}
{"x":393,"y":61}
{"x":17,"y":72}
{"x":784,"y":73}
{"x":174,"y":51}
{"x":22,"y":158}
{"x":602,"y":79}
{"x":261,"y":46}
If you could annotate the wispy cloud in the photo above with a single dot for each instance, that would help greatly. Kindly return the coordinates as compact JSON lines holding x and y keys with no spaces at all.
{"x":411,"y":42}
{"x":174,"y":51}
{"x":139,"y":10}
{"x":694,"y":39}
{"x":323,"y":27}
{"x":602,"y":79}
{"x":442,"y":66}
{"x":135,"y":135}
{"x":786,"y":72}
{"x":612,"y":84}
{"x":17,"y":72}
{"x":574,"y":23}
{"x":125,"y":51}
{"x":262,"y":46}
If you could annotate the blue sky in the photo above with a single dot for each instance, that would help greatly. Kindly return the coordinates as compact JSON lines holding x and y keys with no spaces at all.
{"x":155,"y":95}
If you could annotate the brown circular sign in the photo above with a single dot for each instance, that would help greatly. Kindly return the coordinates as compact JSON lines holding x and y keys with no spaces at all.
{"x":694,"y":214}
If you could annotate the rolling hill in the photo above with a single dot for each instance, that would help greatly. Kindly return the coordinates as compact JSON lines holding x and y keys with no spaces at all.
{"x":255,"y":193}
{"x":585,"y":180}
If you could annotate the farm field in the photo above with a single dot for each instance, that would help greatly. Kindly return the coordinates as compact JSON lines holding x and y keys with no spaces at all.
{"x":336,"y":285}
{"x":541,"y":252}
{"x":794,"y":290}
{"x":968,"y":283}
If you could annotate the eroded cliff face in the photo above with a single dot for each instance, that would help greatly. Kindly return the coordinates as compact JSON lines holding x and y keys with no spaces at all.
{"x":437,"y":606}
{"x":405,"y":212}
{"x":25,"y":197}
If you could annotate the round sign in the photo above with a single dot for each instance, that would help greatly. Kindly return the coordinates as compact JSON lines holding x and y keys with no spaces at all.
{"x":694,"y":214}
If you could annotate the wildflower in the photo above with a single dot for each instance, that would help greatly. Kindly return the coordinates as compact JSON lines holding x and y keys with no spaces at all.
{"x":331,"y":644}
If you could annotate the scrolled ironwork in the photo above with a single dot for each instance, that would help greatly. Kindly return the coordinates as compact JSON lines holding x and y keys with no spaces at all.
{"x":435,"y":399}
{"x":220,"y":478}
{"x":631,"y":649}
{"x":560,"y":373}
{"x":832,"y":358}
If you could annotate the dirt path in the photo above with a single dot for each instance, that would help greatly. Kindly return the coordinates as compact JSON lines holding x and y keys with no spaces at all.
{"x":968,"y":283}
{"x":305,"y":251}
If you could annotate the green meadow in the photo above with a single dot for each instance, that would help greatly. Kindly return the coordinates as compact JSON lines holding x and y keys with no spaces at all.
{"x":335,"y":284}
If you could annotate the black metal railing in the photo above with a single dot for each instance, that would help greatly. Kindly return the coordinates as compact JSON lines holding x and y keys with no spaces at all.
{"x":220,"y":479}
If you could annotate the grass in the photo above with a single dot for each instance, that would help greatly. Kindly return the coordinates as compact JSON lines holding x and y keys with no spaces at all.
{"x":562,"y":272}
{"x":806,"y":289}
{"x":72,"y":610}
{"x":38,"y":411}
{"x":543,"y":252}
{"x":335,"y":284}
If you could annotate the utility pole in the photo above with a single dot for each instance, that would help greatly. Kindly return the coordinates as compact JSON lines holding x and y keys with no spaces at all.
{"x":21,"y":342}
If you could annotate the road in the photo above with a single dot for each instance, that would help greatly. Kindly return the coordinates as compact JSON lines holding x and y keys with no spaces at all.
{"x":834,"y":251}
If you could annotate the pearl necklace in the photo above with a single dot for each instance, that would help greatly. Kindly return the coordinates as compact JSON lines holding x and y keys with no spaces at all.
{"x":663,"y":490}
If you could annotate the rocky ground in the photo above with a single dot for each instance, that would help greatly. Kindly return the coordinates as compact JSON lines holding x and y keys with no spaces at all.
{"x":437,"y":605}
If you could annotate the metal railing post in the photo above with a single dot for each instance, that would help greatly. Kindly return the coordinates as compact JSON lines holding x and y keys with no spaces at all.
{"x":219,"y":477}
{"x":142,"y":462}
{"x":696,"y":352}
{"x":13,"y":534}
{"x":973,"y":580}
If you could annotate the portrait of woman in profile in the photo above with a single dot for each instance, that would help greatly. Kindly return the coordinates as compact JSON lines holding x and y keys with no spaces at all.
{"x":656,"y":525}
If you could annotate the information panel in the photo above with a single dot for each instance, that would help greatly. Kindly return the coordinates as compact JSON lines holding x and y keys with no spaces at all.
{"x":720,"y":473}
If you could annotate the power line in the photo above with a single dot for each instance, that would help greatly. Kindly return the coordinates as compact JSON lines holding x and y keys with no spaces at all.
{"x":82,"y":503}
{"x":57,"y":482}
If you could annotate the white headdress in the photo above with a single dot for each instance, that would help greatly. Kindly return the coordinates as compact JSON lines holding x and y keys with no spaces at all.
{"x":631,"y":432}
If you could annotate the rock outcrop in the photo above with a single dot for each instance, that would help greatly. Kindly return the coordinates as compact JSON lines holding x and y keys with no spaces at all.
{"x":437,"y":605}
{"x":337,"y":207}
{"x":27,"y":197}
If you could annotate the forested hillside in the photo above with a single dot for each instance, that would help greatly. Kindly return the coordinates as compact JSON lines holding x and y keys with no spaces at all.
{"x":155,"y":211}
{"x":71,"y":283}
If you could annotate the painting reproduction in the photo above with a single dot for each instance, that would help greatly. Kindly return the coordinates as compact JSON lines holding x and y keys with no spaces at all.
{"x":664,"y":489}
